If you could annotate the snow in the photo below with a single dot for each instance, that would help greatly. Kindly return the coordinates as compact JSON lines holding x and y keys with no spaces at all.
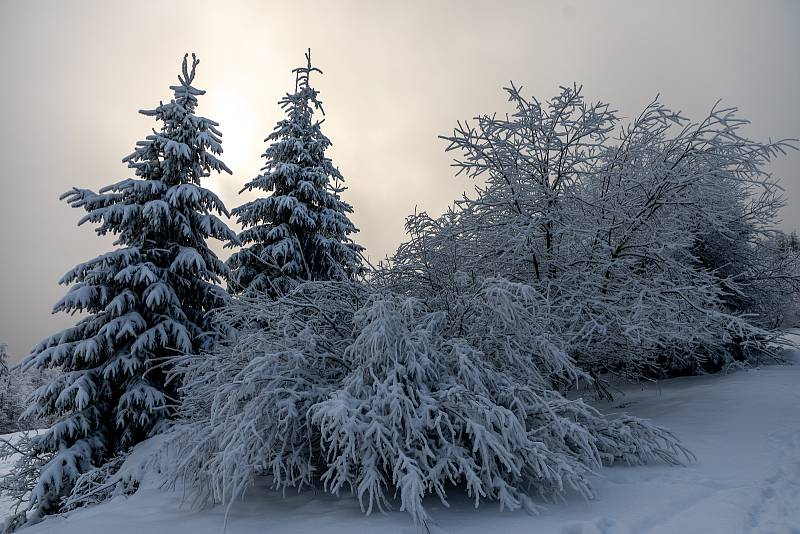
{"x":744,"y":428}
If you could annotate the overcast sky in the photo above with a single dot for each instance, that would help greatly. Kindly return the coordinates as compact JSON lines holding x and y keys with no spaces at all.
{"x":397,"y":74}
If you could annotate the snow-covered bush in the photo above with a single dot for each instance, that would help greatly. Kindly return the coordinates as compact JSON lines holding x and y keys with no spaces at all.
{"x":301,"y":230}
{"x":605,"y":219}
{"x":246,"y":403}
{"x":17,"y":483}
{"x":16,"y":386}
{"x":768,"y":273}
{"x":351,"y":387}
{"x":143,"y":302}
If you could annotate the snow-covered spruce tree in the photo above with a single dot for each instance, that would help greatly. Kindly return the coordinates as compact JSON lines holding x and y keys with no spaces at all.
{"x":301,"y":230}
{"x":348,"y":387}
{"x":144,"y":301}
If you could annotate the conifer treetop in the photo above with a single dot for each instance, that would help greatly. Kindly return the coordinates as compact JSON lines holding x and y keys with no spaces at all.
{"x":301,"y":230}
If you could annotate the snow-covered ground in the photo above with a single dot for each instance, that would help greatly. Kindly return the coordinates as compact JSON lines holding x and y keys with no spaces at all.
{"x":744,"y":428}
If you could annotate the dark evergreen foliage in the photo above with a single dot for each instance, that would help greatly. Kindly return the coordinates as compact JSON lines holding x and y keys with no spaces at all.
{"x":301,"y":230}
{"x":144,"y":301}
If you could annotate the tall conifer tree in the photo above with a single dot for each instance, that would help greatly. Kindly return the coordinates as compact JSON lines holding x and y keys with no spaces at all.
{"x":144,"y":301}
{"x":301,"y":231}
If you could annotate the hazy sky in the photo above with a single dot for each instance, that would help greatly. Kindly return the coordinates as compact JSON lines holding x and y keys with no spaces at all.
{"x":397,"y":74}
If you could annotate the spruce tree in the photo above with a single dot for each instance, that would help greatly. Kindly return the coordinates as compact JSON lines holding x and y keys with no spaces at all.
{"x":301,"y":231}
{"x":144,"y":301}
